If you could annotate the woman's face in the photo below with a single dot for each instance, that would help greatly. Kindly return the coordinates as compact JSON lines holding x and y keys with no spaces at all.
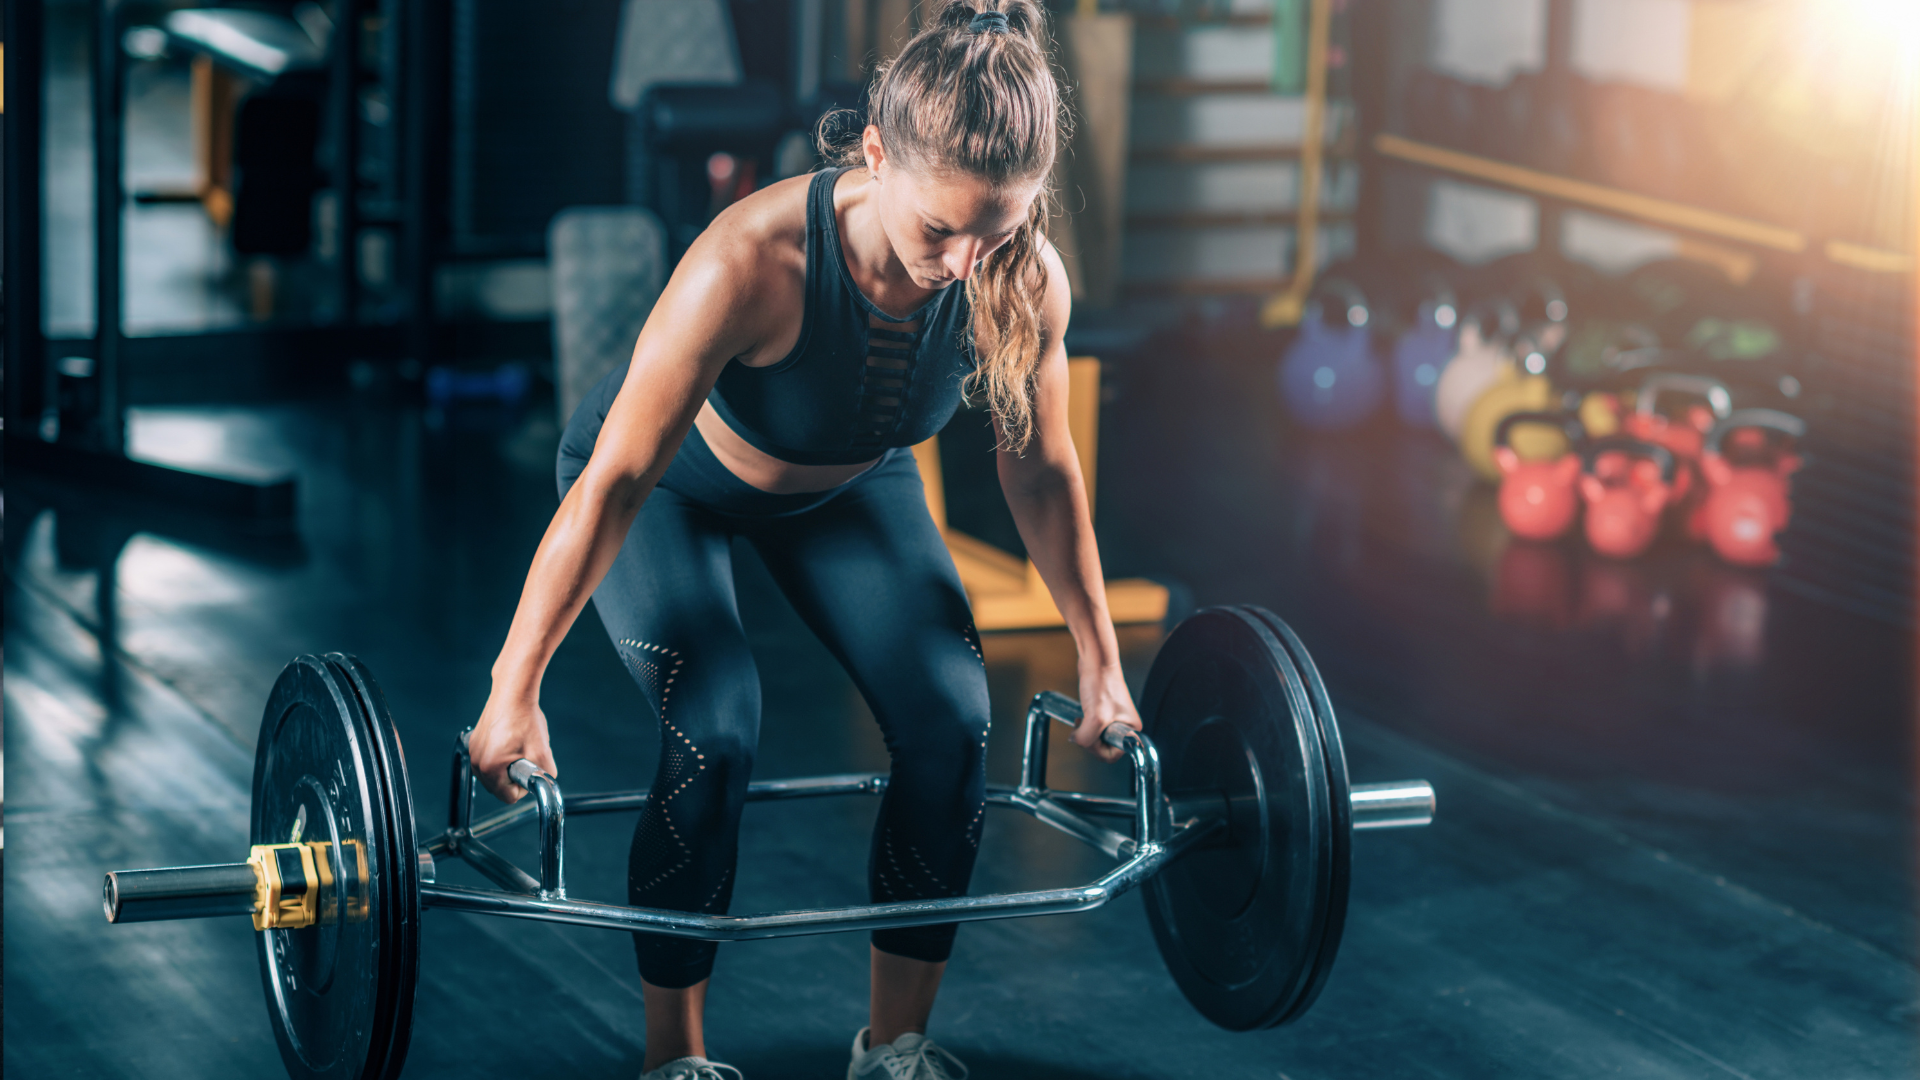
{"x":942,"y":224}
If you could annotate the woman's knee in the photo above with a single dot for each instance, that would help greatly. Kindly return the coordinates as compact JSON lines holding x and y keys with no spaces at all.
{"x":945,"y":693}
{"x":711,"y":770}
{"x":703,"y":774}
{"x":707,"y":703}
{"x":945,"y":733}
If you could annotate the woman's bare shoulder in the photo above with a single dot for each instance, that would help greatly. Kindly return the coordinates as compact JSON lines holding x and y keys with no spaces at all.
{"x":1056,"y":306}
{"x":769,"y":223}
{"x":747,"y":270}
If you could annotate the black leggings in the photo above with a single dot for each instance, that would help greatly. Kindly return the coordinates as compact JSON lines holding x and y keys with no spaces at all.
{"x":865,"y":567}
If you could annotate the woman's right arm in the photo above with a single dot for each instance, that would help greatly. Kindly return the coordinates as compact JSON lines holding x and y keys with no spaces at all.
{"x":712,"y":310}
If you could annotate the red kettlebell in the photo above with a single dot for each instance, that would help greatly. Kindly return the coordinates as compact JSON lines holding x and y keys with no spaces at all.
{"x":1627,"y":484}
{"x":1748,"y":502}
{"x":1685,"y":436}
{"x":1537,"y":498}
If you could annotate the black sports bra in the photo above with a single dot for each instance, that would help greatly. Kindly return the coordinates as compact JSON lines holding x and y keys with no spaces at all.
{"x":850,"y":389}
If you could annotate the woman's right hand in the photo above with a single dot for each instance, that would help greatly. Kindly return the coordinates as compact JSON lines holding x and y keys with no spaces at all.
{"x":510,"y":728}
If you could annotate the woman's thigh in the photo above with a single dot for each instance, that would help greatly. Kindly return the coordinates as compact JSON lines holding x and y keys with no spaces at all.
{"x":870,"y":575}
{"x":668,"y":604}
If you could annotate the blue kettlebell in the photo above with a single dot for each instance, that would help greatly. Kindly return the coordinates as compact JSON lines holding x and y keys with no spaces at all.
{"x":1328,"y":376}
{"x":1422,"y":351}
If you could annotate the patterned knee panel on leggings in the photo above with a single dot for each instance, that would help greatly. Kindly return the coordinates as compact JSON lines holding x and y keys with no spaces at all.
{"x":684,"y":844}
{"x":928,"y":831}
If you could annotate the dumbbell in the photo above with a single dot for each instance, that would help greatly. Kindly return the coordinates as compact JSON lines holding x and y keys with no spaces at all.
{"x":1239,"y":832}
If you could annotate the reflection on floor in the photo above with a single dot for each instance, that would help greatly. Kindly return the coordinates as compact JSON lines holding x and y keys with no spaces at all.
{"x":1676,"y":803}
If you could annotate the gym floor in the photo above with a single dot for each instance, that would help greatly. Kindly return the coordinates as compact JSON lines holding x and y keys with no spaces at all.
{"x":1676,"y":802}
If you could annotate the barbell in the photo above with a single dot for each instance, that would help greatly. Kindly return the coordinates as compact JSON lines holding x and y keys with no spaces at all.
{"x":1238,"y":831}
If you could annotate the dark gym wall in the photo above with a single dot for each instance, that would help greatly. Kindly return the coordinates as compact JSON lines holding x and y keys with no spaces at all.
{"x":533,"y":130}
{"x":764,"y":30}
{"x":1394,"y":204}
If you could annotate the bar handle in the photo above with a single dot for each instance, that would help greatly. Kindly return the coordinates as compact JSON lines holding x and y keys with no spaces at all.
{"x":1068,"y":711}
{"x":545,"y":791}
{"x":1059,"y":706}
{"x":1150,"y":822}
{"x":460,"y":798}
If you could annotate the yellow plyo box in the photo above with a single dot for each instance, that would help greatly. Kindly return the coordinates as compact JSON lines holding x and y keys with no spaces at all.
{"x":1005,"y":590}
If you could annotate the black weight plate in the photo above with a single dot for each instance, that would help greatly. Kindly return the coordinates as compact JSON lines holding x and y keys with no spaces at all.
{"x":1339,"y":801}
{"x":316,"y":780}
{"x":1241,"y":922}
{"x":401,"y":977}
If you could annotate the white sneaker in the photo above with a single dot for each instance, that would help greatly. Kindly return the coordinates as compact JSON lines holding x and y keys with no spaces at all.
{"x":692,"y":1068}
{"x":910,"y":1057}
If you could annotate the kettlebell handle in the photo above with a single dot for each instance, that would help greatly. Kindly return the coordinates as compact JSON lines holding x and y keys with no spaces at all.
{"x":1553,"y":300}
{"x":1646,"y":356}
{"x":1771,"y":419}
{"x":1713,"y":390}
{"x":1440,"y":294}
{"x":1531,"y":341}
{"x":1505,"y":317}
{"x":1350,"y":297}
{"x":1568,"y":423}
{"x":1660,"y":455}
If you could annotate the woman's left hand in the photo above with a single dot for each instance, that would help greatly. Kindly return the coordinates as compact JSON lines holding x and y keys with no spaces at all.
{"x":1104,"y":700}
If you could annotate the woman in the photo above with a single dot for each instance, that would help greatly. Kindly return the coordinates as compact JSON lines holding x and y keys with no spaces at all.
{"x":811,"y":335}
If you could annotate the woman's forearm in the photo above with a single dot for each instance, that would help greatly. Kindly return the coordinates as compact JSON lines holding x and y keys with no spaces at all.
{"x":642,"y":431}
{"x":579,"y":546}
{"x":1049,"y":504}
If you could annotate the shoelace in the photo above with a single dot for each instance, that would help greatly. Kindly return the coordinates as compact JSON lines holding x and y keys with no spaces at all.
{"x":932,"y":1061}
{"x":710,"y":1071}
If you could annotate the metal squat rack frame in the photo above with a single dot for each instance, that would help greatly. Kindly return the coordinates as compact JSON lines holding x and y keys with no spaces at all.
{"x":1161,"y":831}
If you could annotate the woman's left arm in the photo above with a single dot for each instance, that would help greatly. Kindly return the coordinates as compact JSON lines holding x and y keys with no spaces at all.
{"x":1048,"y":497}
